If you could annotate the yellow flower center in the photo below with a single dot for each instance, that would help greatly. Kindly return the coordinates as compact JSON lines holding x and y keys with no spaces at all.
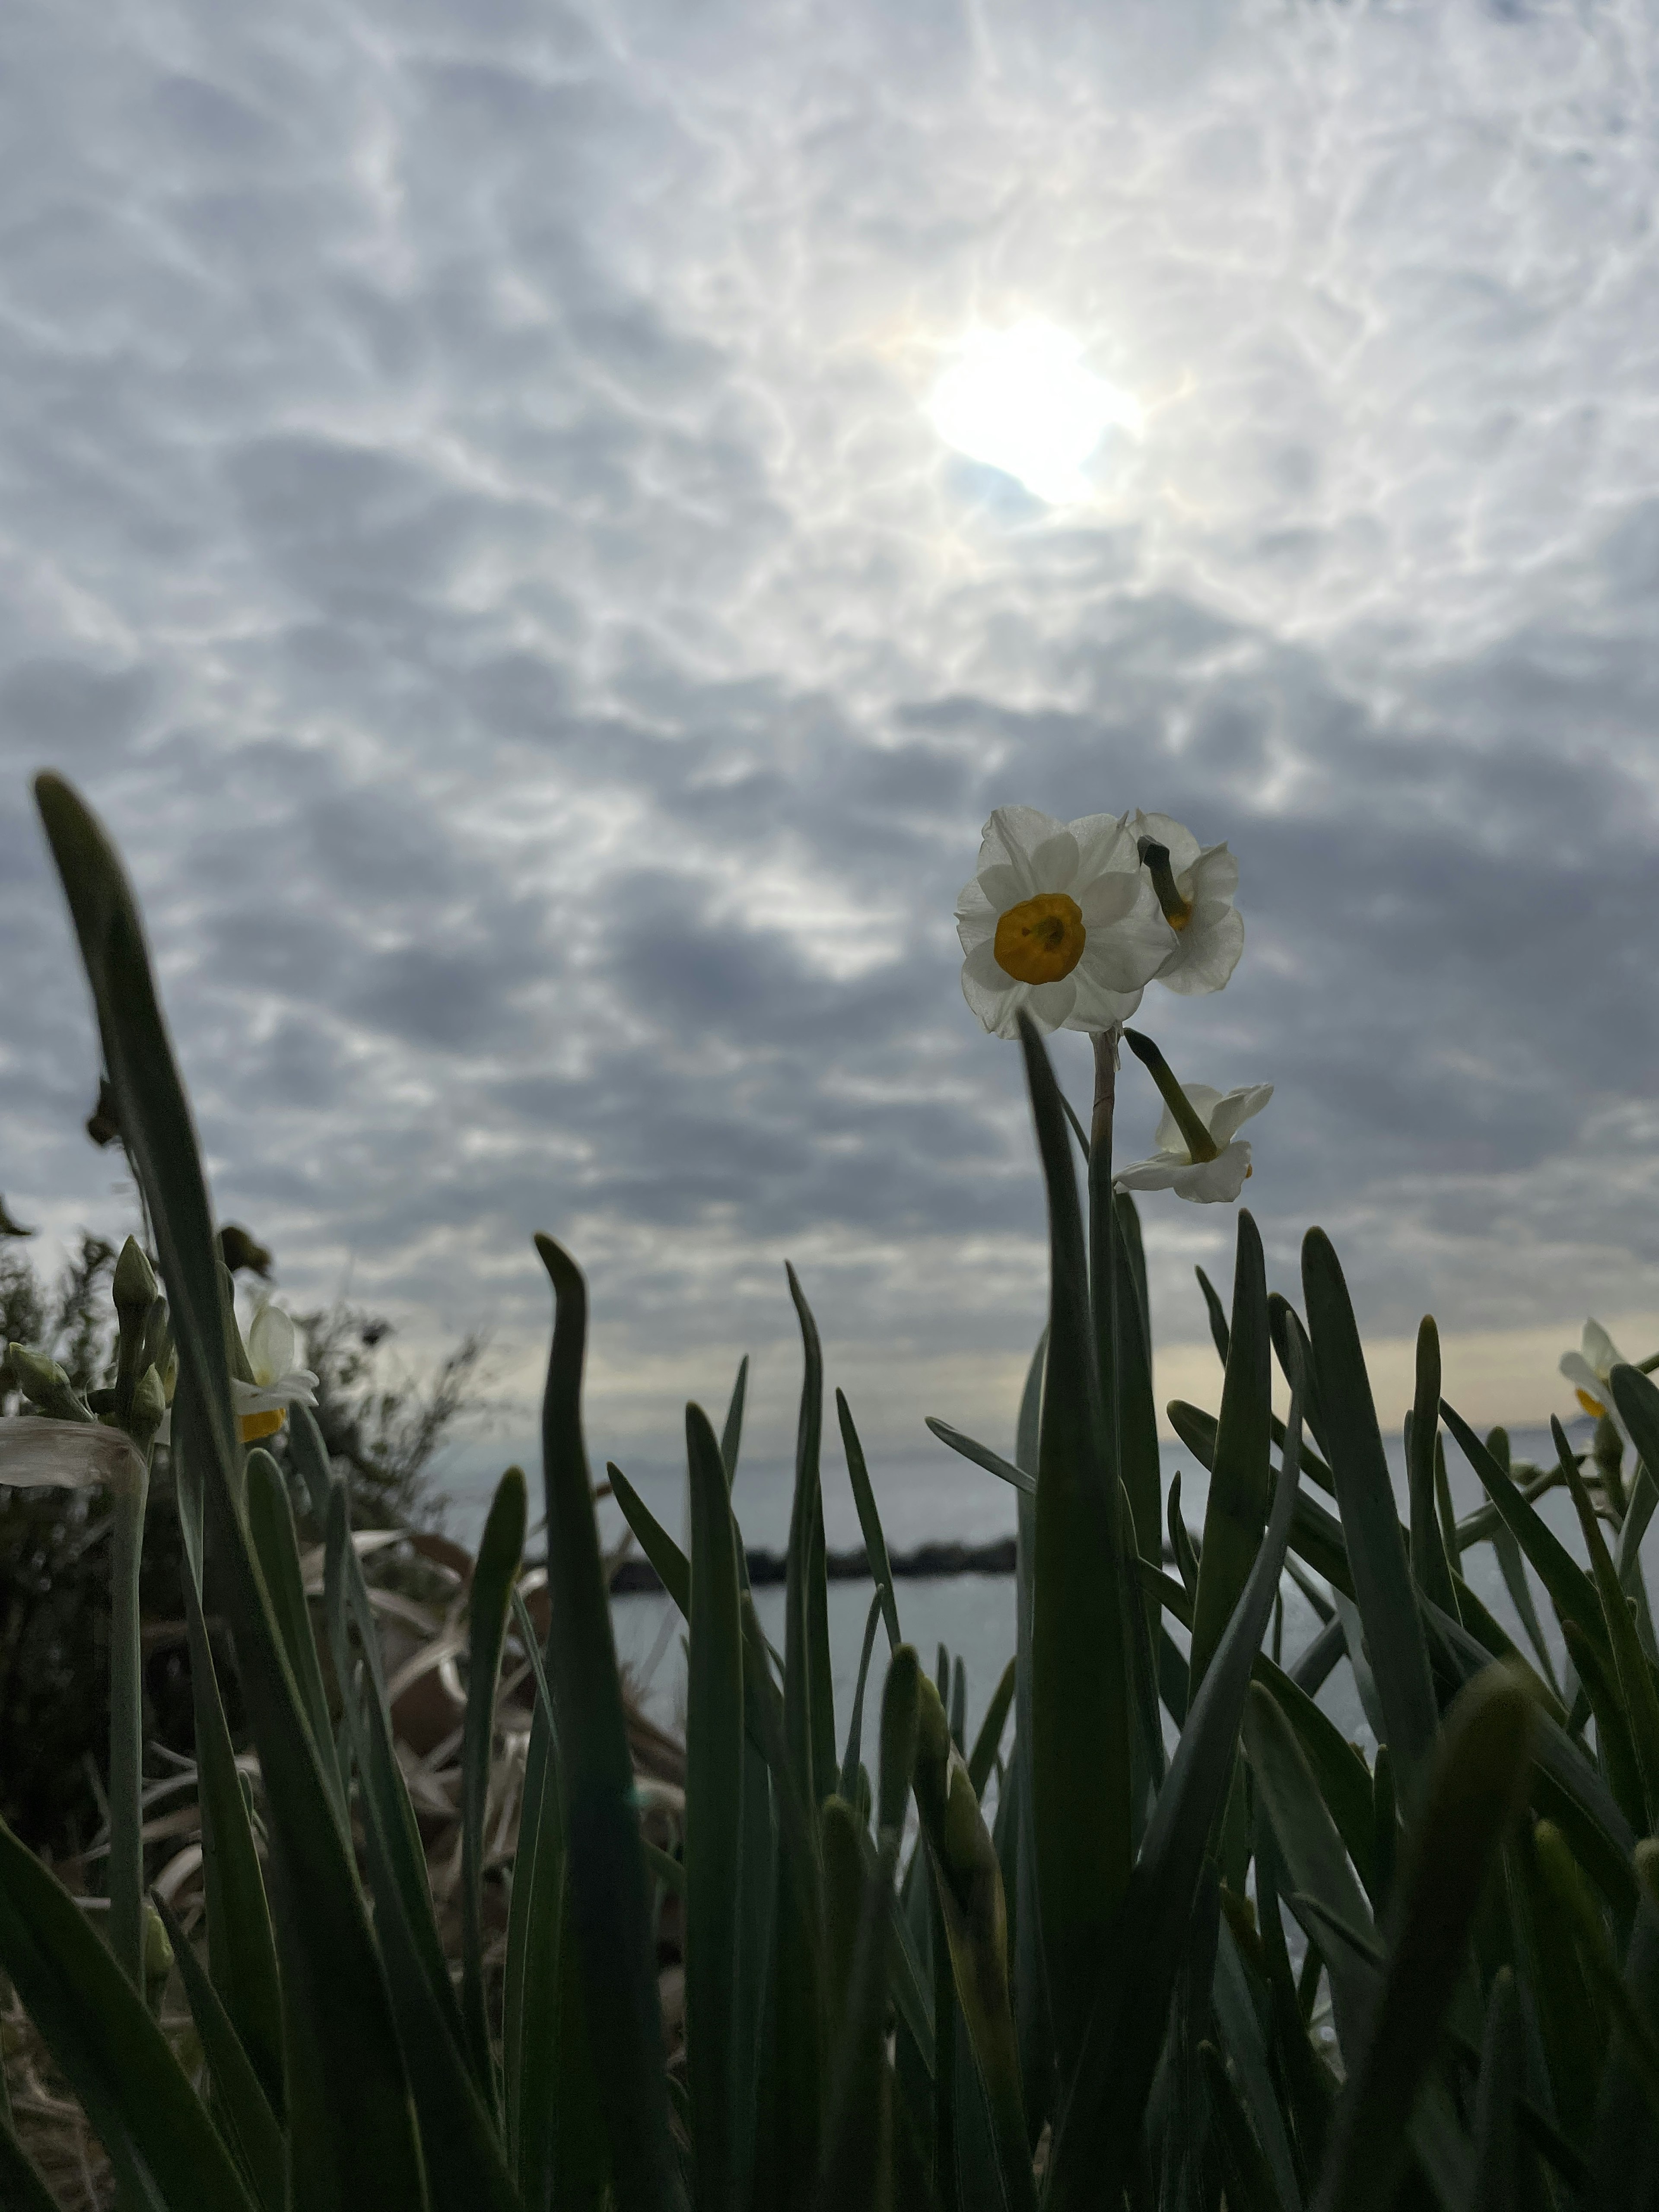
{"x":1041,"y":940}
{"x":1591,"y":1405}
{"x":255,"y":1426}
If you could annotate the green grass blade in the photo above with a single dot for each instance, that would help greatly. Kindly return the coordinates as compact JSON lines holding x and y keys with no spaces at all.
{"x":276,"y":1546}
{"x":982,"y":1758}
{"x":1308,"y":1846}
{"x":1513,"y":1568}
{"x":1566,"y":1787}
{"x":611,"y":1902}
{"x":1241,"y":1479}
{"x":253,"y":2132}
{"x":1571,"y":1590}
{"x":1376,"y":1556}
{"x":1033,"y":2023}
{"x":1250,"y":2182}
{"x":242,"y":1948}
{"x":1496,"y":2148}
{"x":466,"y":2161}
{"x":875,"y":1540}
{"x":1216,"y":1314}
{"x":983,"y":1455}
{"x":713,"y":1817}
{"x":494,"y":1572}
{"x":674,"y":1568}
{"x":818,"y":1737}
{"x":968,"y":1889}
{"x":1635,"y":1677}
{"x":858,"y":2150}
{"x":732,"y":1431}
{"x":166,"y":2151}
{"x":1104,"y":2095}
{"x":1471,"y":1793}
{"x":850,"y":1757}
{"x":1139,"y":1467}
{"x":535,"y":1974}
{"x":1574,"y":2037}
{"x":1430,"y":1566}
{"x":1239,"y":2006}
{"x":1316,"y":1536}
{"x":1081,"y":1724}
{"x":350,"y":2115}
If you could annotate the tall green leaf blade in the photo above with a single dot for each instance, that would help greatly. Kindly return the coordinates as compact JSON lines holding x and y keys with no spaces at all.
{"x":1636,"y":1682}
{"x":166,"y":2151}
{"x":1104,"y":2096}
{"x":606,"y":1871}
{"x":1033,"y":2023}
{"x":530,"y":2019}
{"x":1471,"y":1793}
{"x":351,"y":2123}
{"x":270,"y":1525}
{"x":1241,"y":1480}
{"x":1430,"y":1566}
{"x":983,"y":1455}
{"x":465,"y":2164}
{"x":674,"y":1568}
{"x":731,"y":1431}
{"x":494,"y":1572}
{"x":982,"y":1758}
{"x":254,"y":2134}
{"x":968,"y":1887}
{"x":1376,"y":1556}
{"x":1081,"y":1739}
{"x":713,"y":1817}
{"x":1497,"y":2150}
{"x":1571,"y":1590}
{"x":849,"y":1763}
{"x":242,"y":1948}
{"x":815,"y":1732}
{"x":1140,"y":1466}
{"x":875,"y":1539}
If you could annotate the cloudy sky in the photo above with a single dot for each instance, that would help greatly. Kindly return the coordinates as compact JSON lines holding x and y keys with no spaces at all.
{"x":472,"y":519}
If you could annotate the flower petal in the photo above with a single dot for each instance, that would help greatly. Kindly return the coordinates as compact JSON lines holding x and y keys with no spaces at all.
{"x":270,"y":1342}
{"x":1207,"y":952}
{"x":1050,"y":1003}
{"x":1054,"y":864}
{"x":1216,"y":1182}
{"x":1599,"y":1348}
{"x":1103,"y":844}
{"x":1002,"y":886}
{"x":1157,"y":1173}
{"x":1164,"y":830}
{"x":976,"y":916}
{"x":1204,"y":1099}
{"x":1011,"y":837}
{"x":1583,"y":1377}
{"x":994,"y":995}
{"x":1235,"y":1109}
{"x":1099,"y":1005}
{"x":1214,"y":875}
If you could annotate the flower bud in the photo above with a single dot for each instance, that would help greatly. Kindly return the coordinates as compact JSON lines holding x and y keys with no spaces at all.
{"x":134,"y":1285}
{"x":150,"y":1403}
{"x":45,"y":1384}
{"x":158,"y":1951}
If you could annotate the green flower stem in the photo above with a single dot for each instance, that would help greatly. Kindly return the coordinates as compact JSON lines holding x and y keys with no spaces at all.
{"x":126,"y":1734}
{"x":1201,"y":1144}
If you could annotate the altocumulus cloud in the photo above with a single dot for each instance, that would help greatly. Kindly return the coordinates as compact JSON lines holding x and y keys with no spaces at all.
{"x":471,"y":521}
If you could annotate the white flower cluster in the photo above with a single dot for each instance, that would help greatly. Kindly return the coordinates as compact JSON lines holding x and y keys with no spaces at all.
{"x":1067,"y":923}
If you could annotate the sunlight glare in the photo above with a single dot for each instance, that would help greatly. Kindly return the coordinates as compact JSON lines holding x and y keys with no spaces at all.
{"x":1020,"y":400}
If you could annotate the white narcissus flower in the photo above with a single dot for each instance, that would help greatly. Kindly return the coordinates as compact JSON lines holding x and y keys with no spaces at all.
{"x":272,"y":1345}
{"x":1590,"y":1370}
{"x":1172,"y":1167}
{"x":1061,"y":922}
{"x":1195,"y":886}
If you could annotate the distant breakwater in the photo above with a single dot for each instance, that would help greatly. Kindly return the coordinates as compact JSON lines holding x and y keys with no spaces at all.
{"x":637,"y":1577}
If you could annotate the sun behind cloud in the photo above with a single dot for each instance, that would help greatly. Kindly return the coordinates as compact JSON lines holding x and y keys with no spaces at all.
{"x":1021,"y":400}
